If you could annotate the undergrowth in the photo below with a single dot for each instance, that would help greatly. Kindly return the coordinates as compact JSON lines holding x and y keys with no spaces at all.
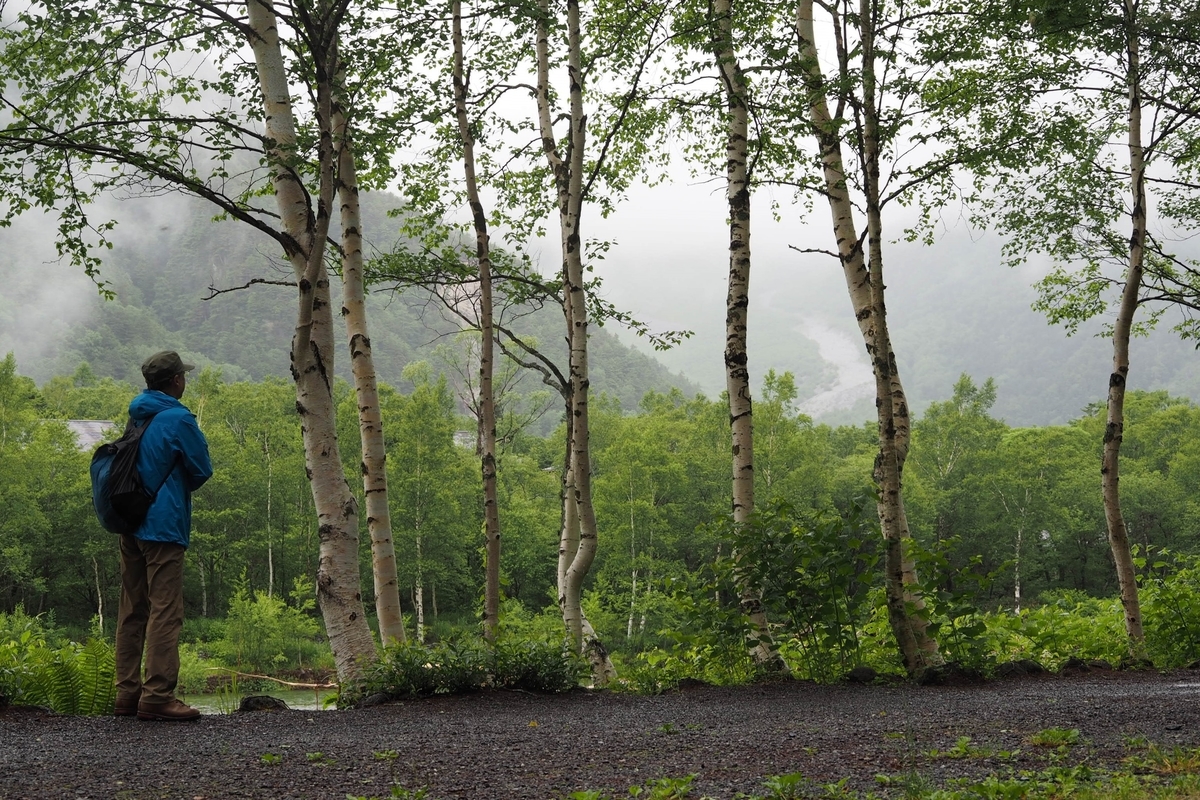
{"x":469,"y":664}
{"x":1078,"y":783}
{"x":37,"y":670}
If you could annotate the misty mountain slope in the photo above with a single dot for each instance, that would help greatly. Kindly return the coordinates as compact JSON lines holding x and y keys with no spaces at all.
{"x":775,"y":339}
{"x":955,"y":308}
{"x":169,"y":252}
{"x":952,"y":308}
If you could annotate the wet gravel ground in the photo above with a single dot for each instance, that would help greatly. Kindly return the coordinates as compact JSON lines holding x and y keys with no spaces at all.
{"x":516,"y":745}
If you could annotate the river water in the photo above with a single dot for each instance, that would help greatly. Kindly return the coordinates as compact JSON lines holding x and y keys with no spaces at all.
{"x":298,"y":699}
{"x":855,"y":380}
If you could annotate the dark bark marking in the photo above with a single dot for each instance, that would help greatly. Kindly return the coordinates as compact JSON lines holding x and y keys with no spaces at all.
{"x":1113,"y":431}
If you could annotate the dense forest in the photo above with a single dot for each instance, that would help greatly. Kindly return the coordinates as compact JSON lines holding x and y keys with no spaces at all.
{"x":167,"y":263}
{"x":394,"y":385}
{"x":1013,"y":509}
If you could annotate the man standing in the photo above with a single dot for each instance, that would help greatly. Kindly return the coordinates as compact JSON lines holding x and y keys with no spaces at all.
{"x":172,"y":455}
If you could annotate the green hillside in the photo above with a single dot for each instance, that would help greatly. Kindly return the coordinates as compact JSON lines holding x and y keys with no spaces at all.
{"x":166,"y":259}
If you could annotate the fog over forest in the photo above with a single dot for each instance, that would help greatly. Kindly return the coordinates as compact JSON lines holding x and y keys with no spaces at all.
{"x":954,"y":307}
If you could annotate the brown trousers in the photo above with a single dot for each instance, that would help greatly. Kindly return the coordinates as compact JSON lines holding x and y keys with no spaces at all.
{"x":150,"y":618}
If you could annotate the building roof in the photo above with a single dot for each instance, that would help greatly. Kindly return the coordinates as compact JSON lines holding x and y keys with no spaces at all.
{"x":90,"y":432}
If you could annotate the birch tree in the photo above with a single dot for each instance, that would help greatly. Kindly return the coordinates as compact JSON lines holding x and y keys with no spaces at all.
{"x":486,"y":396}
{"x":546,"y":164}
{"x":312,"y":345}
{"x":856,"y":93}
{"x":627,"y":39}
{"x":738,"y":174}
{"x":370,"y":420}
{"x":1111,"y":71}
{"x":118,"y":111}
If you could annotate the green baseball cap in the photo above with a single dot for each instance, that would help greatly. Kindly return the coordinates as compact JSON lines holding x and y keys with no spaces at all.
{"x":163,"y":366}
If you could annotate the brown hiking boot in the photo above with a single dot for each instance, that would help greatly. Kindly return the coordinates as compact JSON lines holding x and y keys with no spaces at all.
{"x":170,"y":711}
{"x":126,"y":705}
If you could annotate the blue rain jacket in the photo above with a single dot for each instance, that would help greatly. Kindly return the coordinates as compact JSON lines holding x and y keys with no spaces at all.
{"x":173,"y":452}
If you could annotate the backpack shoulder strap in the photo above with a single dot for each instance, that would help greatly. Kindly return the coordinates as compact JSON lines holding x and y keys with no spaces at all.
{"x":142,"y":429}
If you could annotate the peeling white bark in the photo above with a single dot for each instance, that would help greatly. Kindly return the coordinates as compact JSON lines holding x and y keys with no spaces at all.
{"x":362,"y":363}
{"x":487,"y":403}
{"x":864,"y":282}
{"x":338,"y":587}
{"x":1118,"y":534}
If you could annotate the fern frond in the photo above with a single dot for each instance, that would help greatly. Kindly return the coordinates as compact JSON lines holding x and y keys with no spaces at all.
{"x":36,"y":685}
{"x":66,"y":680}
{"x":98,"y":678}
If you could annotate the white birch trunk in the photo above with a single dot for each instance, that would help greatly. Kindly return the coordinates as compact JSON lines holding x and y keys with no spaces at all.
{"x":270,"y":547}
{"x":419,"y":595}
{"x":1017,"y":568}
{"x":737,"y":304}
{"x":568,"y":175}
{"x":589,"y":644}
{"x":632,"y":604}
{"x":919,"y":650}
{"x":568,"y":546}
{"x":99,"y":594}
{"x":487,"y":405}
{"x":338,"y":586}
{"x":203,"y":588}
{"x":894,"y":424}
{"x":603,"y":671}
{"x":737,"y":192}
{"x":370,"y":419}
{"x":1118,"y":535}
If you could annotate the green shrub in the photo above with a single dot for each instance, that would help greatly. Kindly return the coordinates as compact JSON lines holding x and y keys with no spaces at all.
{"x":536,"y":666}
{"x":813,"y":571}
{"x":265,"y":634}
{"x":877,"y":641}
{"x":954,"y":596}
{"x":202,"y":630}
{"x":194,"y":669}
{"x":1065,"y":624}
{"x":462,"y":665}
{"x":404,"y":670}
{"x":1170,"y":600}
{"x":517,"y":622}
{"x":467,"y":664}
{"x":70,"y":678}
{"x":718,"y":663}
{"x":41,"y":626}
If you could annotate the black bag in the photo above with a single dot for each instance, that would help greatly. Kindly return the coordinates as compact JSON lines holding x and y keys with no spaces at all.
{"x":119,"y":496}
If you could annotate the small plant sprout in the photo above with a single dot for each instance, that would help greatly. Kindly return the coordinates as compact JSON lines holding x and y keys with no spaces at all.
{"x":962,"y":749}
{"x":318,"y":758}
{"x":664,"y":789}
{"x":397,"y":793}
{"x":786,"y":787}
{"x":1136,"y":742}
{"x":1055,"y":737}
{"x":1178,"y":761}
{"x":270,"y":759}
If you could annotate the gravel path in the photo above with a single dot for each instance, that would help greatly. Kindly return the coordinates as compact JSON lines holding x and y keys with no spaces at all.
{"x":514,"y":745}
